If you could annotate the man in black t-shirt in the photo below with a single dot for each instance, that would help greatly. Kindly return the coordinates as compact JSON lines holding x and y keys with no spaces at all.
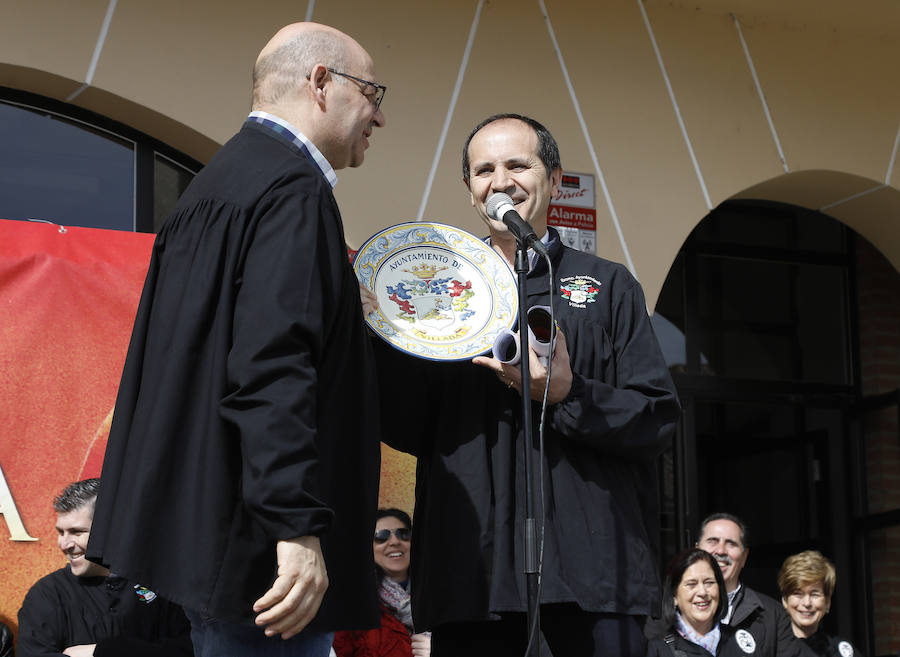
{"x":83,"y":610}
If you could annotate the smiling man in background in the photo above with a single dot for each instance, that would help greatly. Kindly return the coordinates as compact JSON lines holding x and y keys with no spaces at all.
{"x":760,"y":621}
{"x":82,"y":610}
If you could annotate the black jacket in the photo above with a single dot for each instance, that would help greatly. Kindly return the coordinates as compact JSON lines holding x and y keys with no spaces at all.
{"x":62,"y":610}
{"x":824,"y":645}
{"x":767,"y":622}
{"x":247,"y":411}
{"x":601,"y":444}
{"x":674,"y":645}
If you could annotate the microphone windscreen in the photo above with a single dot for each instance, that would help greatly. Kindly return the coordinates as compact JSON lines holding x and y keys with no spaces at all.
{"x":494,"y":202}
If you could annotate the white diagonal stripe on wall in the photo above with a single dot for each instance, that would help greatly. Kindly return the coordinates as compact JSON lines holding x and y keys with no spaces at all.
{"x":762,"y":96}
{"x":98,"y":48}
{"x":890,"y":170}
{"x":684,"y":133}
{"x":871,"y":190}
{"x":453,"y":98}
{"x":588,"y":141}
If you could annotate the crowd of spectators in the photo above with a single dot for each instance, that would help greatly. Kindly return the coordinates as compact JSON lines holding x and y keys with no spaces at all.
{"x":708,"y":610}
{"x":83,"y":609}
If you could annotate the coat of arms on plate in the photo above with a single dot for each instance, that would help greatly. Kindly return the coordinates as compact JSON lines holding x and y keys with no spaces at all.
{"x":434,"y":301}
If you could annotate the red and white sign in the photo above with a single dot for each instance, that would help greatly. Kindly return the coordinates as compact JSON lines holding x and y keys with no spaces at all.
{"x":574,"y":213}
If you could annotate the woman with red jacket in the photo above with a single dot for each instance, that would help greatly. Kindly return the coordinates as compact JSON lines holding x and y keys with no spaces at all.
{"x":395,"y":637}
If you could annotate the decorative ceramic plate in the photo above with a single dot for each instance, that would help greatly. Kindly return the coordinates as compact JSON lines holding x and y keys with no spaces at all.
{"x":443,"y":294}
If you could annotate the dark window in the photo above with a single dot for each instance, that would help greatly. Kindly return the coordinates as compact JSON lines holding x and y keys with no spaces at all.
{"x":772,"y":226}
{"x":57,"y":170}
{"x":72,"y":167}
{"x":757,"y":322}
{"x":773,"y":320}
{"x":171,"y":180}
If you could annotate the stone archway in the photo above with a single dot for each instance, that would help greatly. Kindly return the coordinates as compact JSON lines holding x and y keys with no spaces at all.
{"x":769,"y":404}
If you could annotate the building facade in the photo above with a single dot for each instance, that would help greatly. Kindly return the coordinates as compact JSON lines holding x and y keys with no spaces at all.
{"x":745,"y":158}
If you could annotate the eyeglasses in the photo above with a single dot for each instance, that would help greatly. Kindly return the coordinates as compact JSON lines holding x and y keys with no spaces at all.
{"x":402,"y":534}
{"x":375,"y":97}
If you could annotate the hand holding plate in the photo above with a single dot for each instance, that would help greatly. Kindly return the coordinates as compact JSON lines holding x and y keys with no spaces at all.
{"x":368,"y":299}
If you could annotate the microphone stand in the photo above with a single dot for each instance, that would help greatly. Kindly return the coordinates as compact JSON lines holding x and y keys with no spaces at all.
{"x":530,"y":529}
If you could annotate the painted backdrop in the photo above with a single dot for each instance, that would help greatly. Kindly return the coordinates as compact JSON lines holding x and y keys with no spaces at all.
{"x":67,"y":302}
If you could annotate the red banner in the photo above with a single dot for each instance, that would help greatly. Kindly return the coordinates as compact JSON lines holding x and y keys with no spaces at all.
{"x":68,"y":297}
{"x":67,"y":302}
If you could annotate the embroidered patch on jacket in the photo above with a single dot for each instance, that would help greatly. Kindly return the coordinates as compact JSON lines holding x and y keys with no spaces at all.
{"x":745,"y":641}
{"x":845,"y":649}
{"x":579,"y":290}
{"x":145,"y":594}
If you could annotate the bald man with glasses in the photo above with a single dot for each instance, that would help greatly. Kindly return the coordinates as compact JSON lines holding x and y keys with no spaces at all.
{"x":223,"y":481}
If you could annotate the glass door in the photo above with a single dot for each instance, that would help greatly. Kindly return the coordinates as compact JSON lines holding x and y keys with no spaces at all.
{"x":875,"y":432}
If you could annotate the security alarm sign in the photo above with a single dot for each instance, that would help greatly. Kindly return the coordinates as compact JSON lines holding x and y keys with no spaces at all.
{"x":574,"y":213}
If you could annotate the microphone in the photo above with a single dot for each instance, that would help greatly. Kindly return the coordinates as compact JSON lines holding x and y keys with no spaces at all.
{"x":499,"y":206}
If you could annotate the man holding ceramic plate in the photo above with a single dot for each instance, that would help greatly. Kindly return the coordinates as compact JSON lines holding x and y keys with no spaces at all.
{"x":612,"y":409}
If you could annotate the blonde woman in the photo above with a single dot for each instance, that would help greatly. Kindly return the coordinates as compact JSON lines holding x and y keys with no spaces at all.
{"x":807,"y":583}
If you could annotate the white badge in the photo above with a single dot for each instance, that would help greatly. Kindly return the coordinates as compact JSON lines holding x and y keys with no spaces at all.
{"x":745,"y":641}
{"x":845,"y":649}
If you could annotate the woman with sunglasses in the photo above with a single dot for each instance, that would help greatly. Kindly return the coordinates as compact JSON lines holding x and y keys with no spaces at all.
{"x":395,"y":637}
{"x":694,"y":601}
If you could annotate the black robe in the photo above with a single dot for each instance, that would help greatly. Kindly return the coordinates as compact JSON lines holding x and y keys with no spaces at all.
{"x":600,"y":548}
{"x":247,"y":411}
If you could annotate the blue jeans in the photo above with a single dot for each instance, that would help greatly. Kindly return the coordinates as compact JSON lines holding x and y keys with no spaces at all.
{"x":213,"y":637}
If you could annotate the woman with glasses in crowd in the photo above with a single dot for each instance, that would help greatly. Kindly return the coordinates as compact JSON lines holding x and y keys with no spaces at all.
{"x":807,"y":582}
{"x":395,"y":637}
{"x":694,"y":601}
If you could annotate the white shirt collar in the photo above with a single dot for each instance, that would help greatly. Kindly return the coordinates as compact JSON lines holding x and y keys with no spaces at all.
{"x":731,"y":597}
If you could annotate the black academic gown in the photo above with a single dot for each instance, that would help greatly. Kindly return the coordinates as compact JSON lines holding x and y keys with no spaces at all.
{"x":247,"y":411}
{"x":599,"y":469}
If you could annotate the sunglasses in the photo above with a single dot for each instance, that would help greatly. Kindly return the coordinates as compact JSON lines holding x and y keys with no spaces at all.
{"x":402,"y":534}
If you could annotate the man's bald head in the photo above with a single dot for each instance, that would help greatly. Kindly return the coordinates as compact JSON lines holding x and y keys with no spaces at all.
{"x":321,"y":82}
{"x":284,"y":63}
